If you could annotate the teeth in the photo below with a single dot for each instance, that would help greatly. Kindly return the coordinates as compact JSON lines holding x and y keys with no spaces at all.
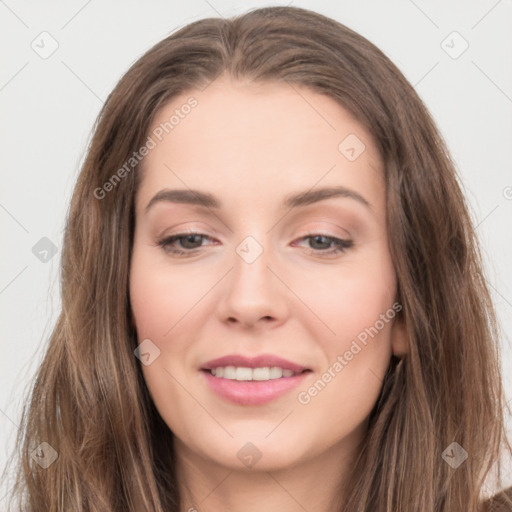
{"x":242,"y":373}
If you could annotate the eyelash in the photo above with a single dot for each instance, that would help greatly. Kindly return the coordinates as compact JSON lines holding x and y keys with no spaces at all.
{"x":342,"y":244}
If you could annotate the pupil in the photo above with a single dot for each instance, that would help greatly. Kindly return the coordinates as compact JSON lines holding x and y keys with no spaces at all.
{"x":190,"y":238}
{"x":318,"y":239}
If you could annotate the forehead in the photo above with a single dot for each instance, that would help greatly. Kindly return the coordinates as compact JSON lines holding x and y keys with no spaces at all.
{"x":244,"y":139}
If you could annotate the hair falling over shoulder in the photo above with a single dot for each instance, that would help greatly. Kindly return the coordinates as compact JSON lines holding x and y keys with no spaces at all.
{"x":89,"y":401}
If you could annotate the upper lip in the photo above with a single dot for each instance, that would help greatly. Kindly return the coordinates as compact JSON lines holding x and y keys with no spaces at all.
{"x":260,"y":361}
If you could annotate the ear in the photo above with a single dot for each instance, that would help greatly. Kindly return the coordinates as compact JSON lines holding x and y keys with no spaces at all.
{"x":399,"y":338}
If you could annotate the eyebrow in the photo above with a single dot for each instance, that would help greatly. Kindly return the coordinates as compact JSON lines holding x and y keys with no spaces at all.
{"x":198,"y":198}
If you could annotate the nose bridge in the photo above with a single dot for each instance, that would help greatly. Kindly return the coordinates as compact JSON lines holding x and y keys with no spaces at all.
{"x":251,"y":249}
{"x":251,"y":274}
{"x":253,"y":291}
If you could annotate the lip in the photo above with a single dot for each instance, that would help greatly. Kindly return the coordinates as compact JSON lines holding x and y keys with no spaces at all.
{"x":260,"y":361}
{"x":252,"y":392}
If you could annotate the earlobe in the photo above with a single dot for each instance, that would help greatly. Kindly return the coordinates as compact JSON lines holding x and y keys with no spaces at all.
{"x":399,"y":339}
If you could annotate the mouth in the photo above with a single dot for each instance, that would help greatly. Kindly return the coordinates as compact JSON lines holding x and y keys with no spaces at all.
{"x":258,"y":374}
{"x":244,"y":380}
{"x":240,"y":386}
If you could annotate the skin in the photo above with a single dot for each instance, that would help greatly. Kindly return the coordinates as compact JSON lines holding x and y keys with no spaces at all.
{"x":250,"y":145}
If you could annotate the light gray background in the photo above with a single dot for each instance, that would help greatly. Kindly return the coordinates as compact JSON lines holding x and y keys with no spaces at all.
{"x":48,"y":107}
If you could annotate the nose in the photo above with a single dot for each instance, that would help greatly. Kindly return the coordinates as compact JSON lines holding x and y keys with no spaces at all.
{"x":253,"y":294}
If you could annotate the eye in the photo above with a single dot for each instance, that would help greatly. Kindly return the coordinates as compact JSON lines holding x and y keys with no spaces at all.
{"x":190,"y":242}
{"x":326,"y":245}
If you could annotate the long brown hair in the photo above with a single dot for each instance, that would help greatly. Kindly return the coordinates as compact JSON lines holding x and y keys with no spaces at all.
{"x":89,"y":400}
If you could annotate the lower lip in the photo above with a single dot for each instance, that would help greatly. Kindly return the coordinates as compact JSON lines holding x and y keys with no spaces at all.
{"x":252,"y":392}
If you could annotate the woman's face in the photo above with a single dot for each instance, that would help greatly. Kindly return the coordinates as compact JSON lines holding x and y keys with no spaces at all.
{"x":279,"y":266}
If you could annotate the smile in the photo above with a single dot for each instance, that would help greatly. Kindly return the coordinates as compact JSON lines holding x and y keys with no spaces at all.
{"x":252,"y":386}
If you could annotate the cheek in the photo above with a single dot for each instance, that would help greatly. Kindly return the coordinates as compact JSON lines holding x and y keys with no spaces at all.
{"x":350,"y":298}
{"x":357,"y":306}
{"x":346,"y":388}
{"x":159,"y":299}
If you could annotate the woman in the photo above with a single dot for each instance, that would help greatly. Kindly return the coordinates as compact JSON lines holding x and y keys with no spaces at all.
{"x":255,"y":368}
